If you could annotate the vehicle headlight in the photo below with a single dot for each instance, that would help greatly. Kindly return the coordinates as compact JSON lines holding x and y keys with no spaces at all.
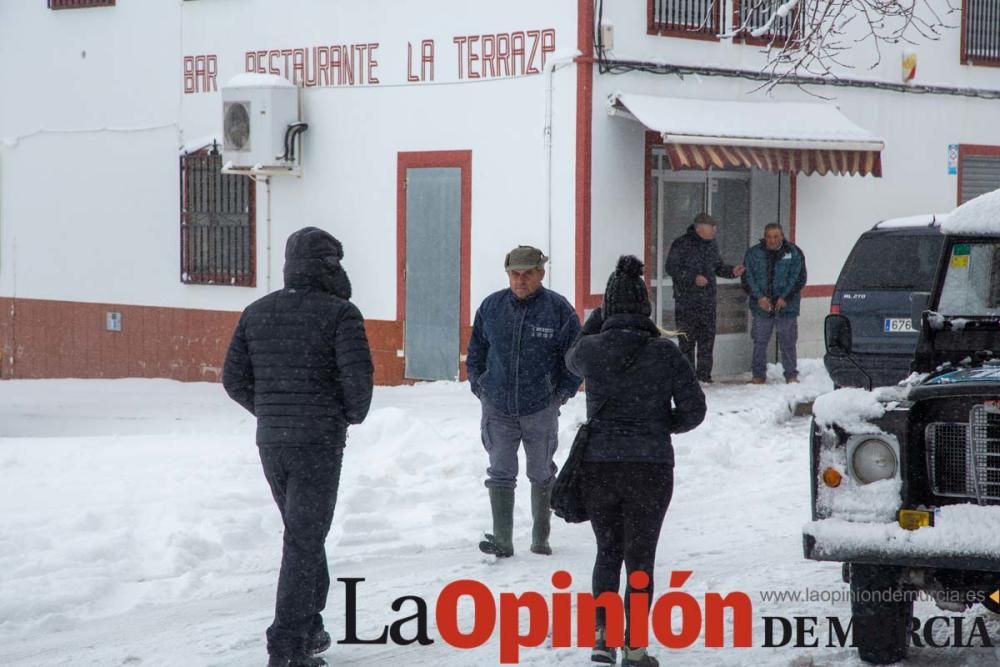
{"x":873,"y":459}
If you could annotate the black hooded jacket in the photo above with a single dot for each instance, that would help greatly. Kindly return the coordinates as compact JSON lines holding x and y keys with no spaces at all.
{"x":299,"y":358}
{"x":653,"y":397}
{"x":691,"y":256}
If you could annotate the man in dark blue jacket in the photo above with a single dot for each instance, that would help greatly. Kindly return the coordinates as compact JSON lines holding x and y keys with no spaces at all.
{"x":299,"y":361}
{"x":775,"y":276}
{"x":693,"y":264}
{"x":517,"y":370}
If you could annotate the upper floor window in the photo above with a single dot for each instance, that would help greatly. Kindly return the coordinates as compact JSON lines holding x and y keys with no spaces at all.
{"x":761,"y":22}
{"x":78,"y":4}
{"x":980,"y":32}
{"x":217,"y":222}
{"x":685,"y":18}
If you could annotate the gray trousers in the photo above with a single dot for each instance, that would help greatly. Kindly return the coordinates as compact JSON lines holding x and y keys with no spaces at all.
{"x":502,"y":435}
{"x":788,"y":334}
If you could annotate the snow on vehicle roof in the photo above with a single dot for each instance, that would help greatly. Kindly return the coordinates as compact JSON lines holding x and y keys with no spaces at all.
{"x":925,"y":220}
{"x":976,"y":216}
{"x":255,"y":80}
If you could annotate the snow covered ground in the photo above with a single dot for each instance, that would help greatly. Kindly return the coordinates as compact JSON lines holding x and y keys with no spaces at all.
{"x":136,"y":527}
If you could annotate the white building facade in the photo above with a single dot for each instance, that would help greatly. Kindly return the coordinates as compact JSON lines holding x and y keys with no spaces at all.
{"x":439,"y":136}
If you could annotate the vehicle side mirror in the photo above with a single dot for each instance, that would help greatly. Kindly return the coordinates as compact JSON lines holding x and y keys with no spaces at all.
{"x":918,"y":304}
{"x":837,"y":333}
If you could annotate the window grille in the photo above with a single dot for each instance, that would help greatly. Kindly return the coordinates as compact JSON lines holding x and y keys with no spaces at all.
{"x":217,"y":223}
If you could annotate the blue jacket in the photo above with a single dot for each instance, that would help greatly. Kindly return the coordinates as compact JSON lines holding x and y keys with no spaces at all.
{"x":775,"y":273}
{"x":516,"y":353}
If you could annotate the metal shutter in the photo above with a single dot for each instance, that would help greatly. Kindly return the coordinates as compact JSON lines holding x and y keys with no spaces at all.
{"x":980,"y":174}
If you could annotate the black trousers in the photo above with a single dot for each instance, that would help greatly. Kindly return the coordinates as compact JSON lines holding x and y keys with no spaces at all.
{"x":626,"y":503}
{"x":304,"y":482}
{"x":697,"y":325}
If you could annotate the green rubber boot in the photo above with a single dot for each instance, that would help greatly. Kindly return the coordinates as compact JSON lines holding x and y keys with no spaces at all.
{"x":541,"y":514}
{"x":501,"y":542}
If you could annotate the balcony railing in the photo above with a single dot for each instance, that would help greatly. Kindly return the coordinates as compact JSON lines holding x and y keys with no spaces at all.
{"x":981,"y":37}
{"x":685,"y":18}
{"x":749,"y":16}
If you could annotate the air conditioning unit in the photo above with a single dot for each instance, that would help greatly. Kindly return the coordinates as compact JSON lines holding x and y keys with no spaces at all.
{"x":257,"y":112}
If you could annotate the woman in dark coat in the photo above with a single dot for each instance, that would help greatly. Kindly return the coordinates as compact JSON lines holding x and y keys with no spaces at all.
{"x":640,"y":390}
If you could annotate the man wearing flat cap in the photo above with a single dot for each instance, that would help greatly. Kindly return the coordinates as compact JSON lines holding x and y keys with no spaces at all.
{"x":693,"y":263}
{"x":517,"y":370}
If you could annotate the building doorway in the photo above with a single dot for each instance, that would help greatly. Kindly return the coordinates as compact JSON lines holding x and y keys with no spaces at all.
{"x":743,"y":201}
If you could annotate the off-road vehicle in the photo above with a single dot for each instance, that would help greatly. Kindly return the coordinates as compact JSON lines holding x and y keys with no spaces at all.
{"x":906,"y":480}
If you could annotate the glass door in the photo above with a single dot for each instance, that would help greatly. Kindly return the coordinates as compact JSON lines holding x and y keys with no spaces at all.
{"x":678,"y":196}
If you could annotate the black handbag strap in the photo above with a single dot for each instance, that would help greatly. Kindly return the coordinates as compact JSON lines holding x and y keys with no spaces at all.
{"x":631,"y":362}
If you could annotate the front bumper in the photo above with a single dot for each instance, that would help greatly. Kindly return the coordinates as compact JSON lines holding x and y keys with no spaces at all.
{"x":964,"y":537}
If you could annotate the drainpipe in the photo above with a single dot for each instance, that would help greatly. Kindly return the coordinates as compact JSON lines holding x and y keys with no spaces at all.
{"x":557,"y":60}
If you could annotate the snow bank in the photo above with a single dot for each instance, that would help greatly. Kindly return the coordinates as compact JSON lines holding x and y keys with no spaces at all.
{"x":976,"y":216}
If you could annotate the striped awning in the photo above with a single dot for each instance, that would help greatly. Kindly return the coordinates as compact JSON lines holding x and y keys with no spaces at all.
{"x":795,"y":137}
{"x":793,"y":160}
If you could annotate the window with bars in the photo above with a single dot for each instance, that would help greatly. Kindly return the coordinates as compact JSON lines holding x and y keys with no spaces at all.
{"x":700,"y":19}
{"x":751,"y":16}
{"x":79,"y":4}
{"x":217,"y":223}
{"x":981,"y":32}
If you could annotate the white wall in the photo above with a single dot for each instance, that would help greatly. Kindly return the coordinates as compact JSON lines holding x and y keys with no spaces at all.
{"x":831,"y":210}
{"x":103,"y":206}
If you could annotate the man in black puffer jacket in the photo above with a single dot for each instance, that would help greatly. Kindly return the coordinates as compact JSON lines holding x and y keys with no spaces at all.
{"x":693,"y":264}
{"x":299,"y":361}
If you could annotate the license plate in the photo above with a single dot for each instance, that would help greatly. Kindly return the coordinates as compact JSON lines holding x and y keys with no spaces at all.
{"x":898,"y":325}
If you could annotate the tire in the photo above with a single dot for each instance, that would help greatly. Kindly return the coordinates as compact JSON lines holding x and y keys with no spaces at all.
{"x":881,"y":622}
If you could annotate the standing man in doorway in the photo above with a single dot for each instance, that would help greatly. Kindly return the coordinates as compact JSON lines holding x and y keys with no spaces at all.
{"x":775,"y":276}
{"x":299,"y":362}
{"x":693,"y":263}
{"x":517,"y":371}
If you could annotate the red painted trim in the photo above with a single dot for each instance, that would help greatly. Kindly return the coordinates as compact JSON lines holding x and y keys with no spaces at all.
{"x":793,"y":198}
{"x":647,"y":237}
{"x":962,"y":52}
{"x":817,"y":291}
{"x":970,"y":150}
{"x":584,"y":148}
{"x":417,"y":159}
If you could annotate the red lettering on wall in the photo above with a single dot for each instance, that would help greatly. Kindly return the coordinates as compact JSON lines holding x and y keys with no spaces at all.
{"x":503,"y":54}
{"x":489,"y":56}
{"x":460,"y":43}
{"x":200,"y":73}
{"x":533,"y":36}
{"x":372,"y":64}
{"x":473,"y":57}
{"x":516,"y":49}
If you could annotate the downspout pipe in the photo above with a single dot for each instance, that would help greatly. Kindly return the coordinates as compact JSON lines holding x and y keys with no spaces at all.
{"x":559,"y":59}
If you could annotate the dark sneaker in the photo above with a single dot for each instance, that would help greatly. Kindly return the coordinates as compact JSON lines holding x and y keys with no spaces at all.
{"x":296,"y":661}
{"x":490,"y":546}
{"x":638,"y":657}
{"x":318,"y":643}
{"x":602,"y":654}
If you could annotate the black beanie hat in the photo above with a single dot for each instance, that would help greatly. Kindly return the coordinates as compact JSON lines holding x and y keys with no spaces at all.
{"x":626,"y":291}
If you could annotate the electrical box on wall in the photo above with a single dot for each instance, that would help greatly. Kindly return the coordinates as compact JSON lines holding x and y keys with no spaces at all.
{"x":257,"y":110}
